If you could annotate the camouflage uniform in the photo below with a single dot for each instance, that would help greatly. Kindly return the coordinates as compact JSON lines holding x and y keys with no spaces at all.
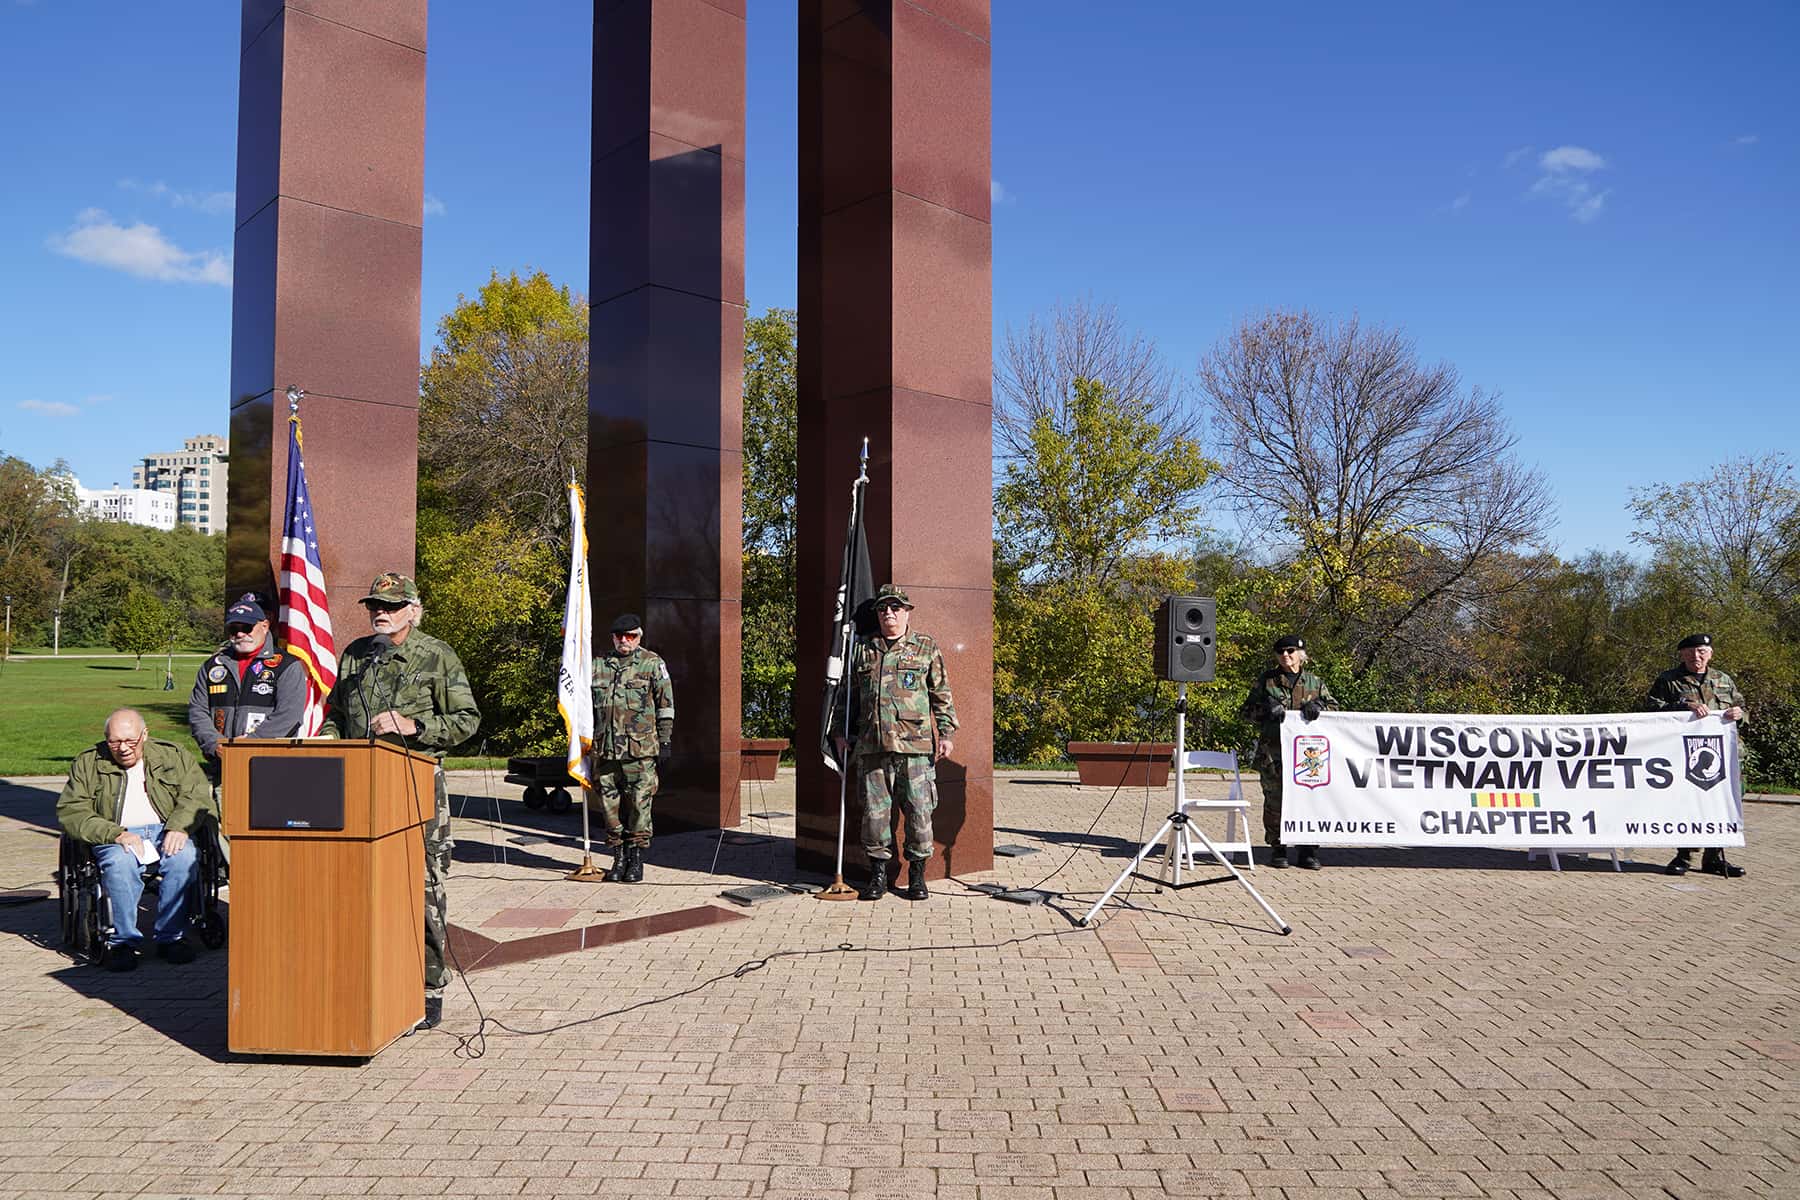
{"x":422,"y":679}
{"x":1678,"y":687}
{"x":1289,"y":690}
{"x":901,"y":691}
{"x":634,"y":720}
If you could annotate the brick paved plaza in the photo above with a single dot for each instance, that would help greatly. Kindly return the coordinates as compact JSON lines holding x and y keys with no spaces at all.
{"x":1439,"y":1024}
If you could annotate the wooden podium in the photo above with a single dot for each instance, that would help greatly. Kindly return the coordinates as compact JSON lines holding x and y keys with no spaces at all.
{"x":327,"y":893}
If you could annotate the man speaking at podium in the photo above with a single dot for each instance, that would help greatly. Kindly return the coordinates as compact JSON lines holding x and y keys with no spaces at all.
{"x":403,"y":684}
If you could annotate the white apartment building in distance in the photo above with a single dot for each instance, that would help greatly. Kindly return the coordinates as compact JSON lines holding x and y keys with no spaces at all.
{"x":195,"y":476}
{"x":136,"y":506}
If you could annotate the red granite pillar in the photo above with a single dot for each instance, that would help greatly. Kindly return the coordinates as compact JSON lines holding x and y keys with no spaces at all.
{"x":896,"y":344}
{"x":665,"y":401}
{"x":330,"y":198}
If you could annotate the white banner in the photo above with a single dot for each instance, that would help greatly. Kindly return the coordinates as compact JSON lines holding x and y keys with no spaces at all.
{"x":1393,"y":779}
{"x":575,"y":680}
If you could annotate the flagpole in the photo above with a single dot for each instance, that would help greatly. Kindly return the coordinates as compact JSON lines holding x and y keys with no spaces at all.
{"x":839,"y":890}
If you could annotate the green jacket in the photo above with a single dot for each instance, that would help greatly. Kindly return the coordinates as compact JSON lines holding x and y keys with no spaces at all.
{"x":422,"y":679}
{"x":901,"y":691}
{"x":88,"y":809}
{"x":634,"y":705}
{"x":1677,"y":686}
{"x":1290,"y":691}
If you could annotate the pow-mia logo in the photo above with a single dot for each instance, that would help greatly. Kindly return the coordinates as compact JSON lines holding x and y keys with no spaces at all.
{"x":216,"y":673}
{"x":909,"y":680}
{"x":1705,"y":759}
{"x":1312,"y":760}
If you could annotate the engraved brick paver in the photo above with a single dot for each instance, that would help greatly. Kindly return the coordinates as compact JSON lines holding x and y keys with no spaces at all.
{"x":1439,"y":1025}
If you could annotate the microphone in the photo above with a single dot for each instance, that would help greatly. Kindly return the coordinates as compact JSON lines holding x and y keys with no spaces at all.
{"x":379,"y":649}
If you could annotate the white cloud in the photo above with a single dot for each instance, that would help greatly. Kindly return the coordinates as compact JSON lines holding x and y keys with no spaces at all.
{"x":206,"y":202}
{"x":139,"y":250}
{"x":1746,"y":139}
{"x":1461,"y":202}
{"x":1514,"y":156}
{"x":1571,"y":158}
{"x":50,"y":408}
{"x":998,"y":194}
{"x":433,"y":206}
{"x":1564,"y":179}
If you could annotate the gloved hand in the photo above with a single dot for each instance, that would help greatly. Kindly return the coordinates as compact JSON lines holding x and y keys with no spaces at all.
{"x":1277,"y":712}
{"x":663,"y":750}
{"x":1311,"y":710}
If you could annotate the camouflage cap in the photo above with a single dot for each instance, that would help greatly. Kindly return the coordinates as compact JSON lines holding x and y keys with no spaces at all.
{"x":391,"y":587}
{"x":891,"y":592}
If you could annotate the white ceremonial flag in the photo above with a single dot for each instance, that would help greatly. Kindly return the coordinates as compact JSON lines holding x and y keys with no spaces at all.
{"x":575,"y":681}
{"x":1627,"y":779}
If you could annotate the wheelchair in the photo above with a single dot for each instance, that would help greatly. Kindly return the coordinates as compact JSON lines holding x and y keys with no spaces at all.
{"x":87,"y":917}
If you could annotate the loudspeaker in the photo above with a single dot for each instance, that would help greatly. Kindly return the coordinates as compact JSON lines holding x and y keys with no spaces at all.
{"x":1185,"y":628}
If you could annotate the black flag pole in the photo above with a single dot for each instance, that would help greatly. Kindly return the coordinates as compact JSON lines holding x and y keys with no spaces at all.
{"x":853,"y":594}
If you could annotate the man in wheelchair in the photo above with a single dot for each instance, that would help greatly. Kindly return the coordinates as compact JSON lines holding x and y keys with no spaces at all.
{"x":135,"y":800}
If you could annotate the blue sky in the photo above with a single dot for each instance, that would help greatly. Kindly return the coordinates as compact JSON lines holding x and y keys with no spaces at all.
{"x":1588,"y":208}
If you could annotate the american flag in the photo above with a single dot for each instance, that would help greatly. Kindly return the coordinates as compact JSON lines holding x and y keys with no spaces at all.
{"x":304,"y":624}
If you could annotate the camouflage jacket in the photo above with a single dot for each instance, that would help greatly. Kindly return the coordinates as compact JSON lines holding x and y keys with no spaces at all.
{"x":1290,"y":691}
{"x":422,"y":679}
{"x":267,"y":702}
{"x":1677,"y":687}
{"x":634,"y":705}
{"x":901,"y":691}
{"x":88,"y":809}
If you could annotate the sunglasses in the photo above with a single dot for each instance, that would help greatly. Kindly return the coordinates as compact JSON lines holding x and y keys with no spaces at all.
{"x":386,"y":605}
{"x":890,"y":606}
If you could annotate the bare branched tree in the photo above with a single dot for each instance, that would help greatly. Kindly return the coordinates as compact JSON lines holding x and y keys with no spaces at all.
{"x":1735,"y":532}
{"x":502,"y":424}
{"x":1387,"y":478}
{"x":1037,"y":370}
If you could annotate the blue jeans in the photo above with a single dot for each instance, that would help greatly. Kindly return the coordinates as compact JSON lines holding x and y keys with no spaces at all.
{"x":122,"y":879}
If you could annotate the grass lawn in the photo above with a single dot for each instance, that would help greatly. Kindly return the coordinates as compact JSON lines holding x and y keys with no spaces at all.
{"x":52,"y":709}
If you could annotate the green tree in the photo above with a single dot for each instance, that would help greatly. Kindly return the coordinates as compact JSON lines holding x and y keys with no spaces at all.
{"x":35,"y":508}
{"x":1093,"y":491}
{"x":770,"y":483}
{"x":142,"y":624}
{"x":503,"y":405}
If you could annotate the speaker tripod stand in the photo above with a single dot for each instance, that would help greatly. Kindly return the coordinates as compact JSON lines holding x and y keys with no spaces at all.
{"x":1181,"y":831}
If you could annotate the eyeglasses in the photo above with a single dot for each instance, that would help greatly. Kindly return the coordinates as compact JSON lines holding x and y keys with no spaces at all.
{"x":630,"y":637}
{"x":121,"y":743}
{"x":238,"y":630}
{"x":889,"y":606}
{"x":386,"y":605}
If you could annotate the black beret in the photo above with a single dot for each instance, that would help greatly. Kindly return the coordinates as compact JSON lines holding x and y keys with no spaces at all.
{"x":1694,"y":639}
{"x":628,"y":623}
{"x":1291,"y":641}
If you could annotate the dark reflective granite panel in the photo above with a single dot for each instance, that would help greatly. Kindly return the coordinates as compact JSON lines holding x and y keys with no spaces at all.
{"x":253,"y":298}
{"x":259,"y":119}
{"x":253,"y":501}
{"x":477,"y":952}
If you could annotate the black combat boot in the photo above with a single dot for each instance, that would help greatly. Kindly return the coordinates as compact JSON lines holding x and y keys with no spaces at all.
{"x":1714,"y":862}
{"x":1679,"y":864}
{"x":634,"y":864}
{"x":876,"y":888}
{"x":1309,"y":858}
{"x":915,"y":880}
{"x":616,"y":872}
{"x":1277,"y":855}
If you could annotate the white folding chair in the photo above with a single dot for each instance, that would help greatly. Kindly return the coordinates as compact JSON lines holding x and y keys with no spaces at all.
{"x":1187,"y":849}
{"x":1584,"y":851}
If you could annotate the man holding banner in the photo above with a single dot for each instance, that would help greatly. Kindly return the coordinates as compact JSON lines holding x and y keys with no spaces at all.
{"x":1286,"y":687}
{"x":1702,"y":692}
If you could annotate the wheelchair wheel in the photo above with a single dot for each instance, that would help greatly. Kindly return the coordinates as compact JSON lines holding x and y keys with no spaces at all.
{"x":534,"y":796}
{"x":87,"y":944}
{"x":212,"y":930}
{"x":560,"y":801}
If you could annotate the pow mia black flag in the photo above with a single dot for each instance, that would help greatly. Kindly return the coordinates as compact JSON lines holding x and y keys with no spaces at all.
{"x":851,"y":621}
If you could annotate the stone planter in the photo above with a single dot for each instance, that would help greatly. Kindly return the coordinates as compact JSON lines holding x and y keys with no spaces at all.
{"x":1123,"y":764}
{"x":759,"y":756}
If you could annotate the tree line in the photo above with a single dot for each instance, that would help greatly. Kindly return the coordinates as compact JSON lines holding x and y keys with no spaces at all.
{"x":1315,"y":476}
